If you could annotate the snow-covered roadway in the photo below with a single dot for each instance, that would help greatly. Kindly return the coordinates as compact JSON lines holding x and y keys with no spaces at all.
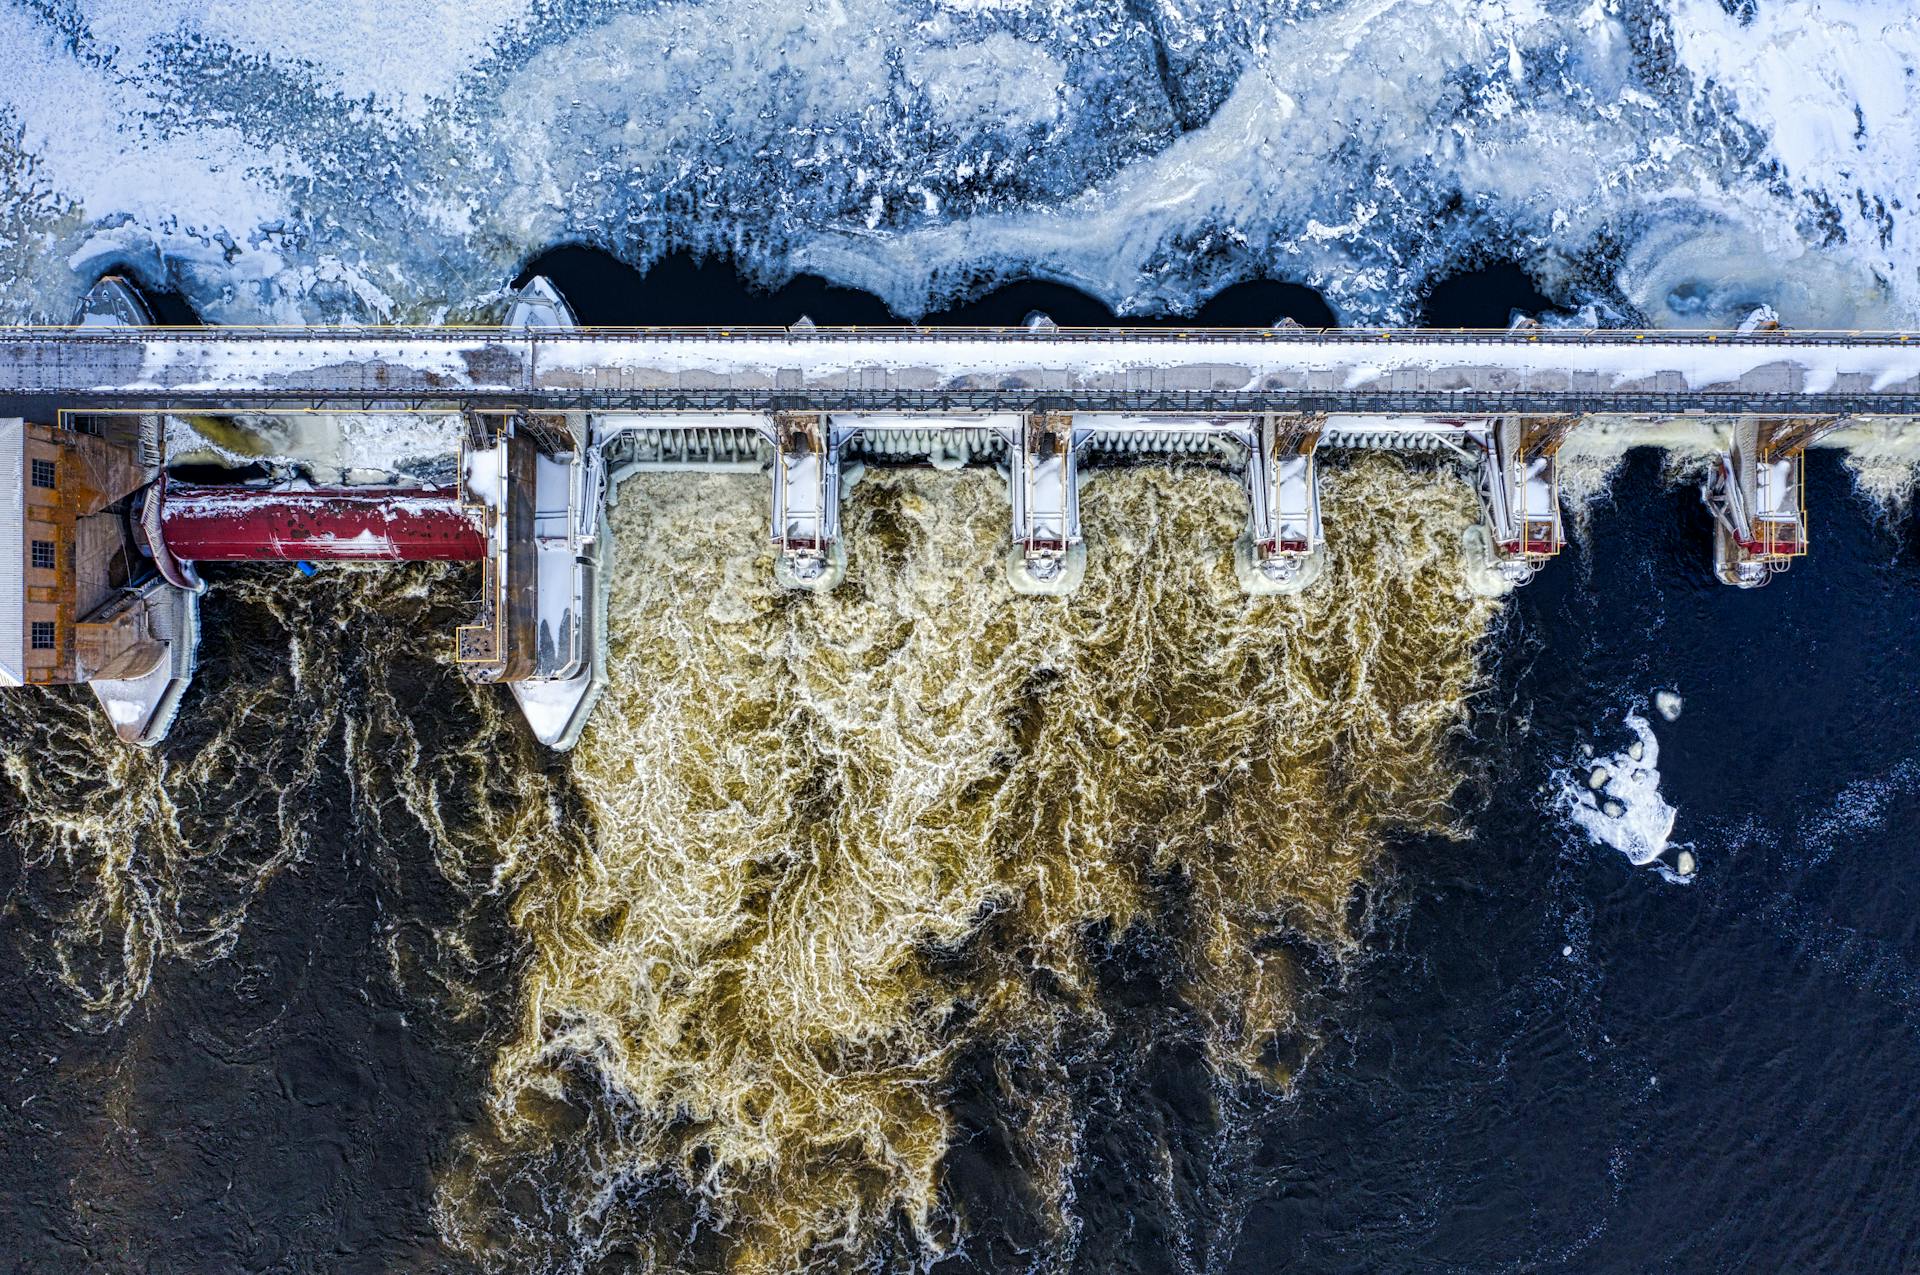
{"x":968,"y":369}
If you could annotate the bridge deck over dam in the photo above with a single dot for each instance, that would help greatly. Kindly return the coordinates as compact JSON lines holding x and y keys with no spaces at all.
{"x":993,"y":369}
{"x":99,"y":534}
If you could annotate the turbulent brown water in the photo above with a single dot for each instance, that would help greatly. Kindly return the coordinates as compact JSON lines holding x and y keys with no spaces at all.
{"x":821,"y":945}
{"x":841,"y":842}
{"x":312,"y":722}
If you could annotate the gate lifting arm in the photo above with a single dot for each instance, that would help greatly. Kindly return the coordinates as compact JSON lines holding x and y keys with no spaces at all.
{"x":1756,"y":490}
{"x":1520,"y":491}
{"x":806,"y":502}
{"x":1043,"y":481}
{"x":1283,"y":550}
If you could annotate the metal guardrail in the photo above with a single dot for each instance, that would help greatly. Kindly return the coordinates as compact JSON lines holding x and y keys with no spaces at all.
{"x":457,"y":334}
{"x":1465,"y":403}
{"x":78,"y":363}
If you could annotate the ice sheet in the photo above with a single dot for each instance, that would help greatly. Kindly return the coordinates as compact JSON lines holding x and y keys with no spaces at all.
{"x":1658,"y":157}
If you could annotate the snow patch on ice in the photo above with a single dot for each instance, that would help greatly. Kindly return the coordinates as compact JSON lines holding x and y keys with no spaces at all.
{"x":401,"y":55}
{"x":1831,"y":87}
{"x":87,"y":142}
{"x":123,"y":712}
{"x":481,"y":477}
{"x":328,"y":447}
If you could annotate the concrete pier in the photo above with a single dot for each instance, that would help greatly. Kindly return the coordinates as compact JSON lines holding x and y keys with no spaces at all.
{"x":806,"y":501}
{"x":1048,"y":554}
{"x":1284,"y":549}
{"x":1757,"y":493}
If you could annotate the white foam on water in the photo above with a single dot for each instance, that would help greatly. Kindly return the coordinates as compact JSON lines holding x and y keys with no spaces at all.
{"x":1626,"y":811}
{"x":1859,"y":807}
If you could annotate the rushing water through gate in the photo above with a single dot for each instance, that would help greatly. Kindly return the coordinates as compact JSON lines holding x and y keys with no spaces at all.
{"x":844,"y":844}
{"x":837,"y":886}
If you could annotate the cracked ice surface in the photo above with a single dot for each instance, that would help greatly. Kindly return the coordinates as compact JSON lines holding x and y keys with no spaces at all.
{"x":1676,"y":161}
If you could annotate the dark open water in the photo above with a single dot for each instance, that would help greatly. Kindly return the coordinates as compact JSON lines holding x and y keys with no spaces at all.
{"x":1720,"y":1077}
{"x":1716,"y":1077}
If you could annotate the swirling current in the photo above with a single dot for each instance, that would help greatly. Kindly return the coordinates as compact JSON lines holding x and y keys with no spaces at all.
{"x":925,"y":928}
{"x":839,"y":939}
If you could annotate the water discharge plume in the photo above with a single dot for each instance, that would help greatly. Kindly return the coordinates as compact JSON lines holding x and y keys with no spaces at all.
{"x":1885,"y":463}
{"x":843,"y":842}
{"x":308,"y":719}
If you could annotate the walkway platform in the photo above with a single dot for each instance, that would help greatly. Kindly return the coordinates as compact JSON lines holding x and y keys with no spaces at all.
{"x":1540,"y":371}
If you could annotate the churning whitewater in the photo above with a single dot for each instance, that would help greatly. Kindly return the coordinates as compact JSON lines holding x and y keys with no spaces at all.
{"x":843,"y":843}
{"x":838,"y":888}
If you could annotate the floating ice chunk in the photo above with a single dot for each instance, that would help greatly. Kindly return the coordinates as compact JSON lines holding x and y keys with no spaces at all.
{"x":1668,"y":702}
{"x":1624,"y":809}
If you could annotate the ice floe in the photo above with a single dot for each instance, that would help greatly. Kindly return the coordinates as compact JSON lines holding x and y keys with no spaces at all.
{"x":1615,"y":798}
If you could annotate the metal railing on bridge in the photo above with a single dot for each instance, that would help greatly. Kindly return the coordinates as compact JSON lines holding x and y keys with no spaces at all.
{"x":913,"y":333}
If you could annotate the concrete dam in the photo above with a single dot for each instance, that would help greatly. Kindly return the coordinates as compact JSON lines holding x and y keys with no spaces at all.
{"x":98,"y":541}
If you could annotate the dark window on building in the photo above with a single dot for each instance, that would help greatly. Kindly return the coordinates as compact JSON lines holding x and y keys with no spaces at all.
{"x":43,"y":554}
{"x":43,"y":474}
{"x":43,"y":635}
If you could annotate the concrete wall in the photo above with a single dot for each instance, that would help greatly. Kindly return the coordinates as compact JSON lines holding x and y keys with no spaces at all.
{"x":13,"y":551}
